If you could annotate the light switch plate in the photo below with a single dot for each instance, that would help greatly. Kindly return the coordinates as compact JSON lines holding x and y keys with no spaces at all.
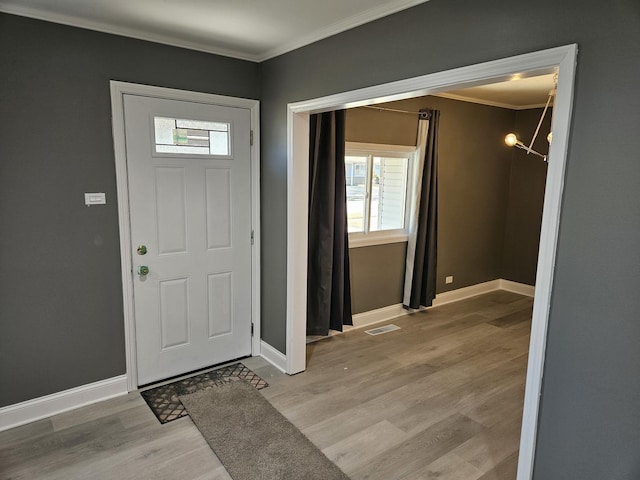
{"x":95,"y":199}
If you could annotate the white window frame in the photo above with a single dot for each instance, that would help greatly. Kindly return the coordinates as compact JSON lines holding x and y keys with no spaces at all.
{"x":380,"y":237}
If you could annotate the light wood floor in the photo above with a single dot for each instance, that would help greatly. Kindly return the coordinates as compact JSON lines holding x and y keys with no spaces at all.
{"x":439,"y":399}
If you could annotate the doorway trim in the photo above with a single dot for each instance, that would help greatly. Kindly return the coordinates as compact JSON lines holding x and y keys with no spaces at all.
{"x":118,"y":90}
{"x":561,"y":59}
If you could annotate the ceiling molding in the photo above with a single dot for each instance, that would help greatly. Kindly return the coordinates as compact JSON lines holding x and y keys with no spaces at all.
{"x":490,"y":103}
{"x":124,"y":32}
{"x":342,"y":26}
{"x":104,"y":27}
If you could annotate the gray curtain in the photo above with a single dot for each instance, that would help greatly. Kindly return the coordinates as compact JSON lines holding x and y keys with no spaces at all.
{"x":420,"y":275}
{"x":328,"y":284}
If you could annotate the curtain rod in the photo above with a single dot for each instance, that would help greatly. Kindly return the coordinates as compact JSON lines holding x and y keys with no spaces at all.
{"x":422,"y":114}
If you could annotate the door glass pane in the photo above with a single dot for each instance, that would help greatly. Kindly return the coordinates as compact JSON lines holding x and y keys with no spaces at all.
{"x":219,"y":142}
{"x":388,"y":193}
{"x":175,"y":135}
{"x":356,"y":178}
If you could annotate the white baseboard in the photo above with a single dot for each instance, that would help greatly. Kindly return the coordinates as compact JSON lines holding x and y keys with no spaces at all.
{"x":273,"y":356}
{"x":515,"y":287}
{"x":378,"y":315}
{"x":43,"y":407}
{"x":466,"y":292}
{"x":384,"y":314}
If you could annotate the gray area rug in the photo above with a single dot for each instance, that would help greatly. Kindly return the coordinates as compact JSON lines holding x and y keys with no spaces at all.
{"x":252,"y":439}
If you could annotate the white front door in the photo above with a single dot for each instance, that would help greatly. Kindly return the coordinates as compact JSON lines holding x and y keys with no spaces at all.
{"x":189,"y":176}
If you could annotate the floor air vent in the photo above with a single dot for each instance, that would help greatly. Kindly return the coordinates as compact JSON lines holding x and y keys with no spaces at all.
{"x":381,"y":330}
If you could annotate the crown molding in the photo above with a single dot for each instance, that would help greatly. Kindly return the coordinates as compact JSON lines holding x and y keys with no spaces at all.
{"x":342,"y":26}
{"x":104,"y":27}
{"x":490,"y":103}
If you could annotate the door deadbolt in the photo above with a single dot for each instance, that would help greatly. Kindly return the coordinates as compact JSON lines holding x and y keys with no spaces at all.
{"x":142,"y":250}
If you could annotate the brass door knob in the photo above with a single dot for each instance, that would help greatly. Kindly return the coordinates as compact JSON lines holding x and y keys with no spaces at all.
{"x":142,"y":250}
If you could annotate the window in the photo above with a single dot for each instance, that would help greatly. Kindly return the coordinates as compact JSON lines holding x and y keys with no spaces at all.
{"x":378,"y":179}
{"x":174,"y":135}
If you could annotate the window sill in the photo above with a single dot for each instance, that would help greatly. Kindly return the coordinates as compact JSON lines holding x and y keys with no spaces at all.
{"x":362,"y":240}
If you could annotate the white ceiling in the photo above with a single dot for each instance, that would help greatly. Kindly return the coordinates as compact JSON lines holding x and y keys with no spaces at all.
{"x":249,"y":29}
{"x":517,"y":93}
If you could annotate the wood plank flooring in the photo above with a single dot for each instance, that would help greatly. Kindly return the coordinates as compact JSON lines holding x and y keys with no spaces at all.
{"x":439,"y":399}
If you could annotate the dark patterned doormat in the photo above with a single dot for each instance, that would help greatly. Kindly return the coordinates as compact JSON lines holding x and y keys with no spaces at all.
{"x":165,"y":404}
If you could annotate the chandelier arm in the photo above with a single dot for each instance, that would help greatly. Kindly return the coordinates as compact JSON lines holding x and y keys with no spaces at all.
{"x":530,"y":149}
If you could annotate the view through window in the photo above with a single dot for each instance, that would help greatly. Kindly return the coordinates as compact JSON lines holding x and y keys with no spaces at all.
{"x":376,"y":190}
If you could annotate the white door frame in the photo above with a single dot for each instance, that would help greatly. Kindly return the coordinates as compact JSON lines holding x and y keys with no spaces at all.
{"x":560,"y":59}
{"x":118,"y":90}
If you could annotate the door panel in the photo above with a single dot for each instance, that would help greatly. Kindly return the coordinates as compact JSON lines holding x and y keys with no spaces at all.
{"x":220,"y":304}
{"x":174,"y":312}
{"x":218,"y":207}
{"x":190,"y":205}
{"x":171,"y":210}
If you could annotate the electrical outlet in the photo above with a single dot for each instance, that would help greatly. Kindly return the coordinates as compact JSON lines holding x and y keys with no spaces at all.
{"x":448,"y":279}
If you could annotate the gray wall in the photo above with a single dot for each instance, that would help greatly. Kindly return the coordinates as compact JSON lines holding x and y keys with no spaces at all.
{"x":377,"y":276}
{"x":527,"y":180}
{"x":589,"y":418}
{"x":61,"y":320}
